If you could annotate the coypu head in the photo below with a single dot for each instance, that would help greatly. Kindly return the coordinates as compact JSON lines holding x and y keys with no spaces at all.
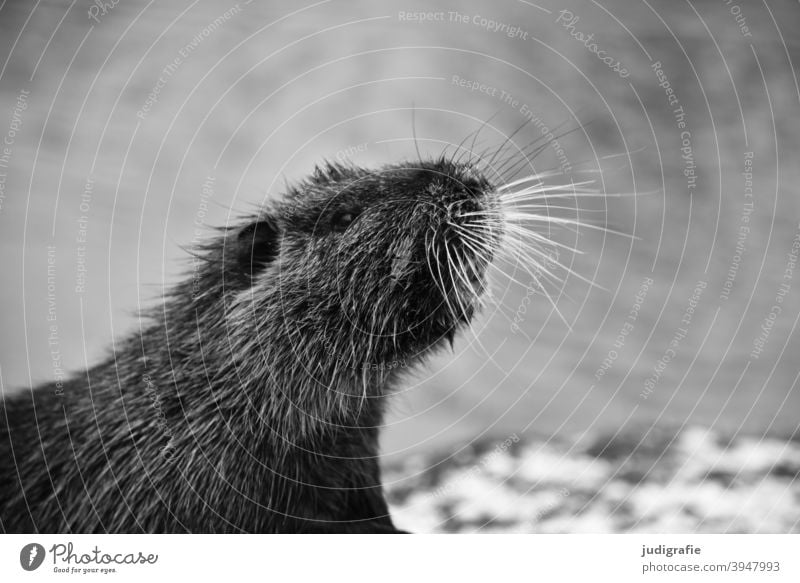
{"x":313,"y":305}
{"x":368,"y":269}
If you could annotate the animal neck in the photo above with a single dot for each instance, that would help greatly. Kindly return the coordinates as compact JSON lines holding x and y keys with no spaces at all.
{"x":272,"y":390}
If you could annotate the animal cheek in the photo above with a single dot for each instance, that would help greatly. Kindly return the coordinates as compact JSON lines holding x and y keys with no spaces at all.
{"x":402,"y":262}
{"x":400,"y":268}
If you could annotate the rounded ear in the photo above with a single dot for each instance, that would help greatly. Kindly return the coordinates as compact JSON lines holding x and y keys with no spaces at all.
{"x":257,"y":246}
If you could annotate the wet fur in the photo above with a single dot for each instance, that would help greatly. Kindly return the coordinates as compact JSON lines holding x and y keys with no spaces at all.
{"x":255,"y":405}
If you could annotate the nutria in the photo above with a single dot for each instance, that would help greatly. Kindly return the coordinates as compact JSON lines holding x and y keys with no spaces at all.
{"x":254,"y":405}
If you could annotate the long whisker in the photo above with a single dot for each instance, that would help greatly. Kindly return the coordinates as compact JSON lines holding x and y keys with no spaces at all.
{"x":533,"y":265}
{"x":546,"y":206}
{"x":530,"y":178}
{"x":525,"y":247}
{"x":414,"y":131}
{"x":527,"y":153}
{"x":477,"y":133}
{"x":569,"y":270}
{"x":488,"y":296}
{"x":522,"y":231}
{"x":569,"y":222}
{"x":460,"y":145}
{"x":507,"y":140}
{"x":510,"y":199}
{"x":537,"y":266}
{"x":542,"y":187}
{"x":445,"y":293}
{"x":516,"y":169}
{"x":543,"y":289}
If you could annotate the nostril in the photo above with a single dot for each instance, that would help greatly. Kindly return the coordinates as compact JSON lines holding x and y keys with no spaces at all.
{"x":465,"y":208}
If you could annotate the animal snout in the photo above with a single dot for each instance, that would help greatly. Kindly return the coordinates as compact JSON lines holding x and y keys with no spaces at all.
{"x":464,"y":208}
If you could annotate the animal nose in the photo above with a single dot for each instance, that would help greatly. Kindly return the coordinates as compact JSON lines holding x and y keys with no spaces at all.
{"x":464,"y":208}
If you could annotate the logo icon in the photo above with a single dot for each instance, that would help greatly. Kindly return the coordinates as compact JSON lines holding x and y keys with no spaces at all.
{"x":31,"y":556}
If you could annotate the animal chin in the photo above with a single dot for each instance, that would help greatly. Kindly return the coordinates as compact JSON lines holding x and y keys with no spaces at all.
{"x":445,"y":330}
{"x":450,"y":336}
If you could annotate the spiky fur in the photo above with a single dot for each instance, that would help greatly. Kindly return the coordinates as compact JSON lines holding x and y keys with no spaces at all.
{"x":255,"y":405}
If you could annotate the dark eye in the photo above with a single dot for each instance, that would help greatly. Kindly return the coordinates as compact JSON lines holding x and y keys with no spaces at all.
{"x":343,"y":219}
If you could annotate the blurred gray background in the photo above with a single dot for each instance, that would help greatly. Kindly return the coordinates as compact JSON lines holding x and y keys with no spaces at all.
{"x":263,"y":91}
